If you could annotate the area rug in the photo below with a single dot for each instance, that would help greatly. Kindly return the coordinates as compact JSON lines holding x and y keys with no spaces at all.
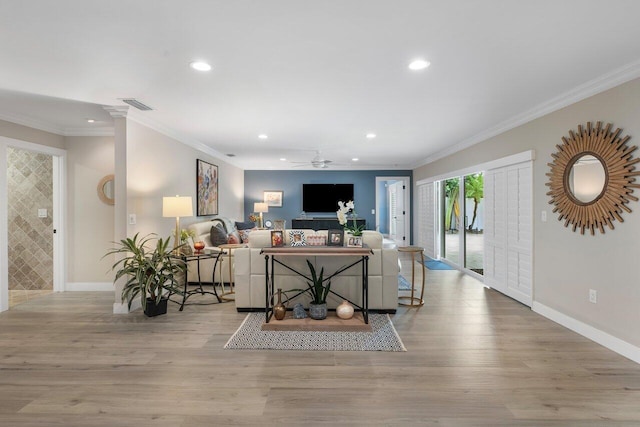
{"x":383,"y":337}
{"x":403,"y":284}
{"x":433,"y":264}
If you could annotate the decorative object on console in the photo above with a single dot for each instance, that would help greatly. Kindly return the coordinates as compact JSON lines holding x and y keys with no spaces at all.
{"x":277,"y":238}
{"x":253,"y":217}
{"x":268,"y":224}
{"x":207,"y":188}
{"x":345,"y":209}
{"x":177,"y":207}
{"x":279,"y":309}
{"x":316,"y":240}
{"x":296,"y":237}
{"x":598,"y":152}
{"x":279,"y":224}
{"x":299,"y":312}
{"x":344,"y":310}
{"x":273,"y":198}
{"x":354,"y":241}
{"x":261,"y":208}
{"x":198,"y":246}
{"x":335,"y":238}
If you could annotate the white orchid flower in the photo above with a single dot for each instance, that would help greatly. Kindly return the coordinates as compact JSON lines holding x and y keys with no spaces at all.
{"x":342,"y":218}
{"x":351,"y":205}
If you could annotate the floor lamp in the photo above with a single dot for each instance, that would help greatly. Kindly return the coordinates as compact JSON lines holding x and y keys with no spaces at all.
{"x":176,"y":207}
{"x":260,"y":208}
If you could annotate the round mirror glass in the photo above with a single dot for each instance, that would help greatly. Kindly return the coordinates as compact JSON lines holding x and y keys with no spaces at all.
{"x":587,"y":178}
{"x":106,"y":190}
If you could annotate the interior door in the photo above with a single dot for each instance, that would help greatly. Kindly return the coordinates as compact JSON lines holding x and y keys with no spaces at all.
{"x":397,"y":213}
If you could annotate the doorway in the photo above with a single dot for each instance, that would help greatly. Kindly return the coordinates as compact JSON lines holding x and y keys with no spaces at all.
{"x":31,"y":211}
{"x":393,"y":207}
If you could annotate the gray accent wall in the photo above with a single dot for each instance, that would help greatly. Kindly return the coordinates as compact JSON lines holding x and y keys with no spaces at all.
{"x":257,"y":181}
{"x":567,"y":264}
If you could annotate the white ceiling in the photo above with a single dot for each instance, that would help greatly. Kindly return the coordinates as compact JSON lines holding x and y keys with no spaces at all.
{"x":313,"y":75}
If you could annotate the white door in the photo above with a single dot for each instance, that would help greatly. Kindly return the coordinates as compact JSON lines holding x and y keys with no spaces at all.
{"x":509,"y":231}
{"x":397,"y":213}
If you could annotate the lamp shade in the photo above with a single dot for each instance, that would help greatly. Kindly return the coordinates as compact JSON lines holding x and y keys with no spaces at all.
{"x":177,"y":206}
{"x":260,"y":207}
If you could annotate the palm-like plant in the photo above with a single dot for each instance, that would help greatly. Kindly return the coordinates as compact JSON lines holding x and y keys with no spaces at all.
{"x":150,"y":271}
{"x":474,"y":189}
{"x":318,"y":290}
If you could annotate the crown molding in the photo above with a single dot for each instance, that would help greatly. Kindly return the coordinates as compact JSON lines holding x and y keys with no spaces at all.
{"x":592,"y":87}
{"x":30,"y":122}
{"x":144,"y":119}
{"x":99,"y":131}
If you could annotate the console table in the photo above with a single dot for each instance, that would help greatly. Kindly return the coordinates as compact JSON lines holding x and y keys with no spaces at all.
{"x":323,"y":223}
{"x":270,"y":254}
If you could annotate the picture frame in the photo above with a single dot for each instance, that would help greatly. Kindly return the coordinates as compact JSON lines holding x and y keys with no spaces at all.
{"x":277,"y":238}
{"x":354,"y":241}
{"x":206,"y":188}
{"x":297,"y":238}
{"x":335,"y":238}
{"x":273,"y":198}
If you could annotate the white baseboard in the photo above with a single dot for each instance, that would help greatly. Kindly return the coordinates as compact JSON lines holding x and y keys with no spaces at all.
{"x":89,"y":286}
{"x":621,"y":347}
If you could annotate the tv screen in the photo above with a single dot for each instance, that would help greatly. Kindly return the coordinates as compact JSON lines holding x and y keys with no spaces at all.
{"x":325,"y":197}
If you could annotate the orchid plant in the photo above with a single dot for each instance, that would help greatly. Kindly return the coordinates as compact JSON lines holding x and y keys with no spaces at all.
{"x":343,"y":210}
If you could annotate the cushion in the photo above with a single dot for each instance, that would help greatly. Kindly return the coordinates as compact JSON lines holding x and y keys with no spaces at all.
{"x":245,"y":225}
{"x":218,"y":235}
{"x":233,"y":239}
{"x":244,"y":235}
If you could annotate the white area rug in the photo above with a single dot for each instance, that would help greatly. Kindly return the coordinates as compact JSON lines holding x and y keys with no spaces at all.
{"x":250,"y":336}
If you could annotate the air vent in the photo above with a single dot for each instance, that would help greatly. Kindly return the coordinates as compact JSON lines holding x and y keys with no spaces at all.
{"x":231,"y":155}
{"x":137,"y":104}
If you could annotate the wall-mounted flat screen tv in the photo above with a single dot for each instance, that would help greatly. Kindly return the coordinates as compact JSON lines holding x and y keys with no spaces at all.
{"x":325,"y":197}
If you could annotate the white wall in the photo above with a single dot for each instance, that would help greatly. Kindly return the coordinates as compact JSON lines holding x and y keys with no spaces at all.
{"x":567,"y":264}
{"x":90,"y":222}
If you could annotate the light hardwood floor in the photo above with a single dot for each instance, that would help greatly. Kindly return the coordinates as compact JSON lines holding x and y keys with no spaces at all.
{"x":475,"y":358}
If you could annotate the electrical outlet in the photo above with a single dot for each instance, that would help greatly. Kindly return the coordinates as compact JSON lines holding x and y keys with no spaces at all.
{"x":593,"y":296}
{"x":373,"y":211}
{"x":132,"y":219}
{"x":543,"y":216}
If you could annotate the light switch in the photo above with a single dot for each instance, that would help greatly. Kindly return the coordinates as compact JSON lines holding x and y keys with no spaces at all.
{"x":132,"y":219}
{"x":373,"y":211}
{"x":42,"y":213}
{"x":543,"y":216}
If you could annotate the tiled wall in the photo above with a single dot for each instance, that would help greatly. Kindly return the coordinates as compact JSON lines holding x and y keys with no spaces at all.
{"x":30,"y":185}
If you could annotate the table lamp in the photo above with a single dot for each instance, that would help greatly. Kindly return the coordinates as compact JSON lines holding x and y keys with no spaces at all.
{"x":176,"y":207}
{"x":260,"y":208}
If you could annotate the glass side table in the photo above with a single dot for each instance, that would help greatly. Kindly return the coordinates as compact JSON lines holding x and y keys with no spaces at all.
{"x":414,"y":301}
{"x":186,"y":292}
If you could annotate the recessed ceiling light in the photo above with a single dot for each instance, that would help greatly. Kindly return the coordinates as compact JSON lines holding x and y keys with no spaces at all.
{"x":371,"y":135}
{"x":200,"y":66}
{"x":91,"y":121}
{"x":263,"y":136}
{"x":355,"y":159}
{"x":283,"y":159}
{"x":419,"y":64}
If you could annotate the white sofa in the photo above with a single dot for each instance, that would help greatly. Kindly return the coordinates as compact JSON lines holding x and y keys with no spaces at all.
{"x":202,"y":232}
{"x":383,"y":273}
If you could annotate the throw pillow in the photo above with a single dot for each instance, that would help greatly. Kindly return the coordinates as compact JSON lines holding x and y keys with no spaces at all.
{"x":233,"y":239}
{"x":245,"y":225}
{"x":296,"y":237}
{"x":244,"y":235}
{"x":218,"y":236}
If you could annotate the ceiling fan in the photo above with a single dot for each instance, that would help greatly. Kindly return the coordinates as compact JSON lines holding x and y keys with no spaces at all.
{"x":318,"y":162}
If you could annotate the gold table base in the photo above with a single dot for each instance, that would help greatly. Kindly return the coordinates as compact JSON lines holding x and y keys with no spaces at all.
{"x":414,"y":301}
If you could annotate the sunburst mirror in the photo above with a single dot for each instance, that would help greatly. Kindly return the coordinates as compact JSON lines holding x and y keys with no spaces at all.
{"x":592,"y":177}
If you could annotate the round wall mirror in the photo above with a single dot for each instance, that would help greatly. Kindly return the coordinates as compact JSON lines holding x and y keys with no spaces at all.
{"x":592,"y":177}
{"x":586,"y":179}
{"x":106,"y":190}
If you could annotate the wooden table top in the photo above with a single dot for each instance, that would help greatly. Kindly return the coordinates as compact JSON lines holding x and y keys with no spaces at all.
{"x":317,"y":250}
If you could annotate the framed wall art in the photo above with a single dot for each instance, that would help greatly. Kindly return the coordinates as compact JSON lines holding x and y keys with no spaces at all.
{"x":273,"y":198}
{"x":207,"y":188}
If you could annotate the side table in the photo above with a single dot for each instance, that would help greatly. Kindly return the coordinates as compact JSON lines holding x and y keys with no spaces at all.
{"x":228,"y":247}
{"x":186,"y":293}
{"x":414,"y":301}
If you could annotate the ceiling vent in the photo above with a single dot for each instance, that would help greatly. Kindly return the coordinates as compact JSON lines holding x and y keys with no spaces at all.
{"x":137,"y":104}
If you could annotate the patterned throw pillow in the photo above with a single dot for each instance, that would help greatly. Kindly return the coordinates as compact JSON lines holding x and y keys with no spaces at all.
{"x":244,"y":235}
{"x":233,"y":239}
{"x":296,"y":237}
{"x":218,"y":235}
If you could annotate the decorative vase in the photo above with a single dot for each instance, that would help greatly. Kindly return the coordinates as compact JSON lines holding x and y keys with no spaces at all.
{"x":318,"y":311}
{"x":344,"y":310}
{"x":198,"y":246}
{"x":279,"y":309}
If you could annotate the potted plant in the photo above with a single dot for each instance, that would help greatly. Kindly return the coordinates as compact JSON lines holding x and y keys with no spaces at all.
{"x":319,"y":292}
{"x":345,"y":209}
{"x":150,"y":272}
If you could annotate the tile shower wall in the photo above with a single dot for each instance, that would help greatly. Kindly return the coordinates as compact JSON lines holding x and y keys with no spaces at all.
{"x":30,"y":185}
